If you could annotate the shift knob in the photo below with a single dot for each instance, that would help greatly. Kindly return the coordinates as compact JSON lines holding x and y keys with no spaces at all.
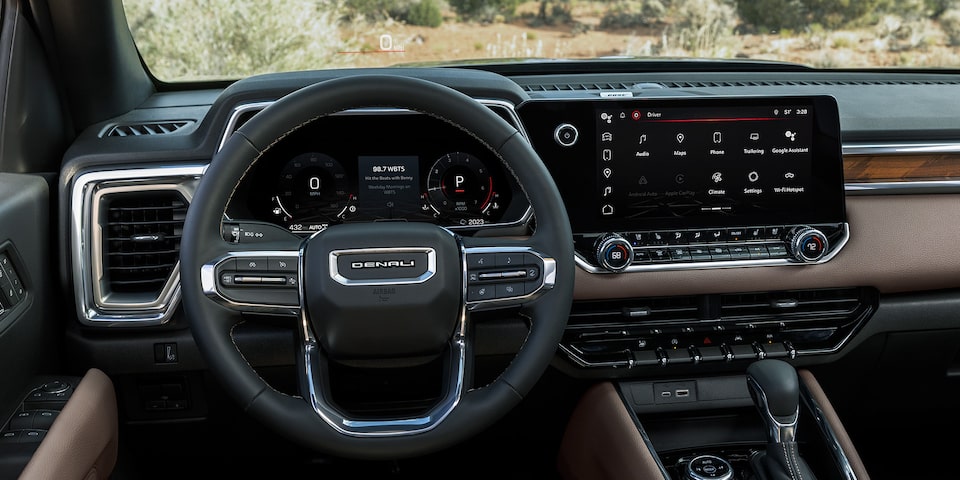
{"x":775,"y":390}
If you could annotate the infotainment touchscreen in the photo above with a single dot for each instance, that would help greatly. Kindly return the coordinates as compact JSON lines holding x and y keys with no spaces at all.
{"x":700,"y":162}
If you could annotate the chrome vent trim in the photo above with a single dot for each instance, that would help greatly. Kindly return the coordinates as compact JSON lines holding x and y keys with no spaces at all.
{"x":145,"y":129}
{"x":97,"y":303}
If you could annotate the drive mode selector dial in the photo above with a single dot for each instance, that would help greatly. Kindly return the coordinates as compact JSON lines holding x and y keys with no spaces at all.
{"x":708,"y":467}
{"x":613,"y":252}
{"x":807,"y":244}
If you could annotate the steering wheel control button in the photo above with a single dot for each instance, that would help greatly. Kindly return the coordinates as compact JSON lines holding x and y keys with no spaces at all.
{"x":252,"y":264}
{"x":481,"y":260}
{"x":708,"y":467}
{"x":566,"y":135}
{"x":509,"y":290}
{"x":481,"y":292}
{"x":282,"y":264}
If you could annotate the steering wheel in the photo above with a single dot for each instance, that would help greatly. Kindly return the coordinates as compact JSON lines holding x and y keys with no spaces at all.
{"x":376,"y":292}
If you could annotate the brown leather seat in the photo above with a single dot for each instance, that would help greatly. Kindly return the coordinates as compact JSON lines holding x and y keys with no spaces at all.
{"x":601,"y":441}
{"x":82,"y":442}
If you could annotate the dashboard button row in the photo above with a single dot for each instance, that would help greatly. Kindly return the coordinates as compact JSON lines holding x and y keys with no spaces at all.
{"x":711,"y":253}
{"x":720,"y":353}
{"x":718,"y":235}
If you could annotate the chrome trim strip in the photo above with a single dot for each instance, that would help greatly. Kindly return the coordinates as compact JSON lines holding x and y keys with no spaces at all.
{"x":572,"y":355}
{"x":830,"y":436}
{"x":342,"y":280}
{"x":235,"y":116}
{"x":900,"y":148}
{"x":912,"y":187}
{"x":507,"y":106}
{"x":86,"y":244}
{"x":663,"y":267}
{"x":208,"y":281}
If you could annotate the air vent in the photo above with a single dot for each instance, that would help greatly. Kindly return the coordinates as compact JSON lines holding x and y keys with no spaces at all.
{"x":658,"y":309}
{"x":803,"y":83}
{"x":125,"y":227}
{"x":141,"y":129}
{"x":142,"y":240}
{"x":573,"y":87}
{"x":792,"y":305}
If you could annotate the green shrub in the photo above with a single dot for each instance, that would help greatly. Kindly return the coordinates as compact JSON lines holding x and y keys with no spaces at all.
{"x":484,"y":10}
{"x":950,"y":23}
{"x":633,"y":13}
{"x":425,"y":13}
{"x":701,"y":25}
{"x":836,"y":13}
{"x":376,"y":10}
{"x":225,"y":39}
{"x":772,"y":15}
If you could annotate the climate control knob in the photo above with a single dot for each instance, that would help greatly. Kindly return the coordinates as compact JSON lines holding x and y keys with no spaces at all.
{"x":614,"y":253}
{"x":807,"y":244}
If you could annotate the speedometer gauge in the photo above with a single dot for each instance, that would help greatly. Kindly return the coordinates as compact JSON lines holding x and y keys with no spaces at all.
{"x":313,"y":191}
{"x":460,"y":186}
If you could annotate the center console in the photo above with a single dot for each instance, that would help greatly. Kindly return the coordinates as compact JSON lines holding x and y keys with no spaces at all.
{"x":701,"y":183}
{"x":629,"y":430}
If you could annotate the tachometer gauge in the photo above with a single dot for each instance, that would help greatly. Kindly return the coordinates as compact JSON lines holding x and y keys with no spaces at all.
{"x":460,"y":186}
{"x":312,"y":192}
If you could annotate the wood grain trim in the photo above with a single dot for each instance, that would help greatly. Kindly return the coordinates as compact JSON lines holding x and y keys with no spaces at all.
{"x":898,"y":243}
{"x":901,"y":168}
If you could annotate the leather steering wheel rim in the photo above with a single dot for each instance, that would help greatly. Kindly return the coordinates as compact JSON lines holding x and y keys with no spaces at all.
{"x":212,"y":324}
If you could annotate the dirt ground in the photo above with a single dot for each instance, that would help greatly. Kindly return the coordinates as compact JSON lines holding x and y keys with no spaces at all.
{"x":885,"y":44}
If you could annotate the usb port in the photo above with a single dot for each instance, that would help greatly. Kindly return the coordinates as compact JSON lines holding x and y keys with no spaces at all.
{"x":666,"y":394}
{"x":682,"y":392}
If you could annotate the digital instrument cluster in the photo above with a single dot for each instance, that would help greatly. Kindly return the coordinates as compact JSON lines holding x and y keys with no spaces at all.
{"x":380,"y":167}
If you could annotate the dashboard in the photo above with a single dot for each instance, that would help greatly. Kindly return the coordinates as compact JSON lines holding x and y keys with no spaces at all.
{"x":716,"y":220}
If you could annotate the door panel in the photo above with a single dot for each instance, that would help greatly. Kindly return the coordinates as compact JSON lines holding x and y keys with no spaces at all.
{"x":29,"y":342}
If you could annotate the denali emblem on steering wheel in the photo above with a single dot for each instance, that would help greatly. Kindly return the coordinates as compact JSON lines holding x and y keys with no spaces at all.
{"x":383,"y":266}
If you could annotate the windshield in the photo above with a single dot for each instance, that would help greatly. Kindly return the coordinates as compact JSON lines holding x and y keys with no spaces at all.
{"x":190,"y":40}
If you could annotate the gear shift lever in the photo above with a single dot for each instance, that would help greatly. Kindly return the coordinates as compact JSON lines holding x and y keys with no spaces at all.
{"x":775,"y":389}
